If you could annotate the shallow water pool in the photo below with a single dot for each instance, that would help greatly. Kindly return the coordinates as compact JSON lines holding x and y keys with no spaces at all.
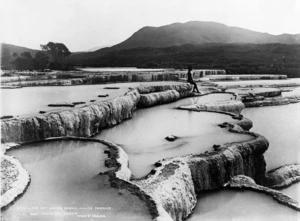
{"x":66,"y":185}
{"x":281,"y":126}
{"x":143,"y":137}
{"x":230,"y":205}
{"x":31,"y":100}
{"x":71,"y":179}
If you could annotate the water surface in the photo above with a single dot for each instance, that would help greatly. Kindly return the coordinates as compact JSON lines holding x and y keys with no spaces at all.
{"x":31,"y":100}
{"x":66,"y":185}
{"x":281,"y":126}
{"x":293,"y":191}
{"x":72,"y":178}
{"x":229,"y":205}
{"x":143,"y":137}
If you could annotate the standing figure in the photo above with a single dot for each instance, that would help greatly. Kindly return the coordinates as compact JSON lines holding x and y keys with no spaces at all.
{"x":191,"y":80}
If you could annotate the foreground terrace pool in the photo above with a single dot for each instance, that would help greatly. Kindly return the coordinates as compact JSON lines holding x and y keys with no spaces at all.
{"x":228,"y":205}
{"x":65,"y":174}
{"x":143,"y":139}
{"x":66,"y":183}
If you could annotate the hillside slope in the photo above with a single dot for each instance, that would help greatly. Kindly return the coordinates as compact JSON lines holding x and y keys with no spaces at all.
{"x":203,"y":44}
{"x":235,"y":58}
{"x":199,"y":32}
{"x":8,"y":51}
{"x":180,"y":34}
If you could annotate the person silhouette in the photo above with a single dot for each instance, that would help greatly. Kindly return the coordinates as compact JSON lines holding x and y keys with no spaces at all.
{"x":191,"y":80}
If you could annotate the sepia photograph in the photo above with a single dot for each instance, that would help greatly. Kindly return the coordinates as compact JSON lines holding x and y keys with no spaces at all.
{"x":150,"y":110}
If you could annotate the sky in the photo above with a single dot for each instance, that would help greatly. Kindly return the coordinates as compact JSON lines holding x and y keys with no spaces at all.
{"x":85,"y":24}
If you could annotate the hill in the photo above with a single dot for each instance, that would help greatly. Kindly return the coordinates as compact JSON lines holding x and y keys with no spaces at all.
{"x":203,"y":44}
{"x":189,"y":33}
{"x":97,"y":48}
{"x":10,"y":52}
{"x":235,"y":58}
{"x":199,"y":32}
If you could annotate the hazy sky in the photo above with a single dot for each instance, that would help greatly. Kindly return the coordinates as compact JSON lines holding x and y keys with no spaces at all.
{"x":84,"y":24}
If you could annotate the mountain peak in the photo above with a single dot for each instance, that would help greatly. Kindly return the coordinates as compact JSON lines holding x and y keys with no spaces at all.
{"x":197,"y":33}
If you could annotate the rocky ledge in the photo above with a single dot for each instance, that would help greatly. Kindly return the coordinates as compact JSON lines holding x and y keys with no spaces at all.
{"x":232,"y":106}
{"x":52,"y":82}
{"x":82,"y":121}
{"x":265,"y":92}
{"x":283,"y":176}
{"x":171,"y":186}
{"x":184,"y":89}
{"x":259,"y":97}
{"x":246,"y":183}
{"x":267,"y":84}
{"x":152,"y":99}
{"x":170,"y":190}
{"x":272,"y":101}
{"x":14,"y":180}
{"x":89,"y":119}
{"x":246,"y":77}
{"x":82,"y":77}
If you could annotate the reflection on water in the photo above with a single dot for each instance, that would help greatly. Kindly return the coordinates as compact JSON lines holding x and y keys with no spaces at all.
{"x":66,"y":185}
{"x":143,"y":137}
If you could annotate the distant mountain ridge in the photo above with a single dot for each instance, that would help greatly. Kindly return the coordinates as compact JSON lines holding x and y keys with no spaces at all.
{"x":97,"y":48}
{"x":204,"y":44}
{"x":200,"y":32}
{"x":192,"y":34}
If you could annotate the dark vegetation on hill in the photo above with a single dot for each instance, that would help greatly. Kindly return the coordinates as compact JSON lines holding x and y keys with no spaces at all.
{"x":235,"y":58}
{"x":20,"y":58}
{"x":199,"y":32}
{"x":202,"y":44}
{"x":9,"y":53}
